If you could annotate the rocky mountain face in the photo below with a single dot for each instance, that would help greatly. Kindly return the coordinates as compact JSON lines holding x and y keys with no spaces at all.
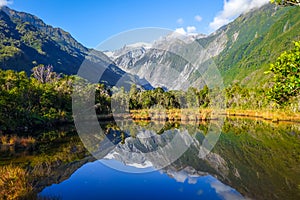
{"x":26,"y":41}
{"x":241,"y":51}
{"x":166,"y":63}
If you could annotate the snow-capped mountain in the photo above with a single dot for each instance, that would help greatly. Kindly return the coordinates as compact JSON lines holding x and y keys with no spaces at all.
{"x":166,"y":63}
{"x":236,"y":51}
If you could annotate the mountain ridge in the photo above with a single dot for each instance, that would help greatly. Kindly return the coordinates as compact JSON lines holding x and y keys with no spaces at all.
{"x":61,"y":34}
{"x":242,"y":50}
{"x":27,"y":41}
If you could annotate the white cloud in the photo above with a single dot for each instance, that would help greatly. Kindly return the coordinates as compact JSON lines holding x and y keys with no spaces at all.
{"x":5,"y":2}
{"x":232,"y":9}
{"x":180,"y":21}
{"x":180,"y":31}
{"x":191,"y":29}
{"x":198,"y":18}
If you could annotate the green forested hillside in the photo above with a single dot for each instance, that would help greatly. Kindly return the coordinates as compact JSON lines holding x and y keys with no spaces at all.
{"x":22,"y":46}
{"x":254,"y":40}
{"x":26,"y":41}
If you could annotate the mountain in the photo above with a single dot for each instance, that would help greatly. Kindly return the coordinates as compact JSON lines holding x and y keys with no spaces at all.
{"x":254,"y":40}
{"x":138,"y":48}
{"x":165,"y":63}
{"x":168,"y":63}
{"x":241,"y":50}
{"x":26,"y":41}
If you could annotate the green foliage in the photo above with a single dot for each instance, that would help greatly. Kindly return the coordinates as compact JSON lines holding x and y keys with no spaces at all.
{"x":286,"y":2}
{"x":159,"y":98}
{"x":7,"y":52}
{"x":245,"y":98}
{"x":102,"y":99}
{"x":25,"y":40}
{"x":26,"y":102}
{"x":286,"y":76}
{"x":42,"y":99}
{"x":254,"y":40}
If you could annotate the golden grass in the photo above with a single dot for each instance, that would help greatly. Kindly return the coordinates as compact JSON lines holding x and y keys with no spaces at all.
{"x":27,"y":141}
{"x":209,"y":114}
{"x":4,"y":139}
{"x":171,"y":115}
{"x":13,"y":183}
{"x":14,"y":140}
{"x":274,"y":116}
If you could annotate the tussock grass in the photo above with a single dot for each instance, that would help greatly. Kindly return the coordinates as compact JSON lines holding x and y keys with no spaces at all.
{"x":14,"y":140}
{"x":209,"y":114}
{"x":14,"y":183}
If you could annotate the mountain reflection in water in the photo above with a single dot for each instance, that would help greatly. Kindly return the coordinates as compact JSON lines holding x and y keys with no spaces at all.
{"x":252,"y":159}
{"x":97,"y":181}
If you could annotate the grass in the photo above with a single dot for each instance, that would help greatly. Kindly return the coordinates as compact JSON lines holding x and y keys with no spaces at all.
{"x":274,"y":116}
{"x":4,"y":139}
{"x":210,"y":114}
{"x":14,"y":140}
{"x":13,"y":183}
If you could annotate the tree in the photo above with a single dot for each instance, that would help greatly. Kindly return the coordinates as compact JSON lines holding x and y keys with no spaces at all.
{"x":44,"y":74}
{"x":286,"y":76}
{"x":133,"y":95}
{"x":286,"y":2}
{"x":203,"y":96}
{"x":192,"y":98}
{"x":103,"y":100}
{"x":29,"y":102}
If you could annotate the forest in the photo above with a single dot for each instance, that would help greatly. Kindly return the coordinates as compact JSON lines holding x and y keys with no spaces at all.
{"x":45,"y":97}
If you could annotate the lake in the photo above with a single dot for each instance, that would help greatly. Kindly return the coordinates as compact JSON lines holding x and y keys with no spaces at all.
{"x":252,"y":159}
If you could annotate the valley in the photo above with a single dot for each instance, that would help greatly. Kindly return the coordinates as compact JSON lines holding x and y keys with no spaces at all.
{"x":183,"y":116}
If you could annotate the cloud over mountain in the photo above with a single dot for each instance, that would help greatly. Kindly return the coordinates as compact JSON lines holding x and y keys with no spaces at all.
{"x":232,"y":9}
{"x":189,"y":30}
{"x":4,"y":3}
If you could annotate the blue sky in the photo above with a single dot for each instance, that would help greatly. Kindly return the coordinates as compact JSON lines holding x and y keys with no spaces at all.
{"x":93,"y":21}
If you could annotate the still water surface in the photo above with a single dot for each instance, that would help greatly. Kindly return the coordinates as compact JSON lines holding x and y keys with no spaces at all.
{"x":97,"y":181}
{"x":252,"y":159}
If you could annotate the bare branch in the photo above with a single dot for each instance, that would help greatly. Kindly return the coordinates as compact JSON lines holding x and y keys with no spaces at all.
{"x":45,"y":74}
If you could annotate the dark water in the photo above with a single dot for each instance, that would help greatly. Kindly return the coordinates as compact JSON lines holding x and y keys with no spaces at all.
{"x":252,"y":159}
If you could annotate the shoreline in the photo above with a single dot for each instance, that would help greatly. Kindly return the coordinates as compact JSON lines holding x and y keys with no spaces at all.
{"x":209,"y":114}
{"x":178,"y":115}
